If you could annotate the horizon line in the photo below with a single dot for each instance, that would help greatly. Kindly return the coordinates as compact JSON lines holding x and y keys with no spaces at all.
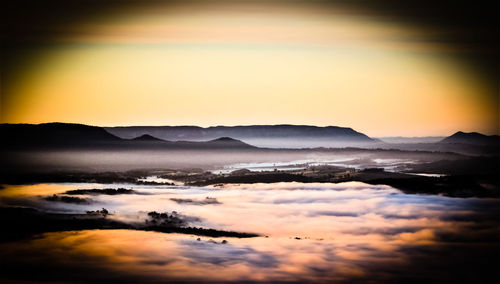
{"x":244,"y":125}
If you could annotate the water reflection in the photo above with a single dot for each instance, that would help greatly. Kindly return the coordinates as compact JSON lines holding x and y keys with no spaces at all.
{"x":341,"y":161}
{"x":315,"y":232}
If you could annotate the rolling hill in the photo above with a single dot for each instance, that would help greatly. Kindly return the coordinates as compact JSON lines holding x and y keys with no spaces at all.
{"x":63,"y":136}
{"x":472,"y":138}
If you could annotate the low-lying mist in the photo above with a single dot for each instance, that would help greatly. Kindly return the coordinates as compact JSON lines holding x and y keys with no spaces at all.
{"x":318,"y":232}
{"x":108,"y":160}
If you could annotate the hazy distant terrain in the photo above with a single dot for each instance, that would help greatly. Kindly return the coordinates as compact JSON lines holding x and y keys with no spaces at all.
{"x":268,"y":136}
{"x":303,"y":136}
{"x":59,"y":136}
{"x":241,"y":201}
{"x":400,"y":139}
{"x":57,"y":151}
{"x":57,"y":146}
{"x":194,"y":133}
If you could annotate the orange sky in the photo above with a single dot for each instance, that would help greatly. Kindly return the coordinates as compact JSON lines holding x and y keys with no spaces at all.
{"x":224,"y":64}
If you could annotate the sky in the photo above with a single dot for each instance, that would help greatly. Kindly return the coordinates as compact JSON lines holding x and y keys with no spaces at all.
{"x":378,"y":67}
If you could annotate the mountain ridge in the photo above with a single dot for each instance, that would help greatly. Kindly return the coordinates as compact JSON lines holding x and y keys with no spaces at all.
{"x":197,"y":133}
{"x":80,"y":136}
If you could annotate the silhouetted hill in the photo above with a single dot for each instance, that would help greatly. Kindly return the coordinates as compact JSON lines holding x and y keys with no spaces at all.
{"x":146,"y":137}
{"x":77,"y":136}
{"x":54,"y":135}
{"x":225,"y":139}
{"x":474,"y":143}
{"x":280,"y":135}
{"x":472,"y":138}
{"x":227,"y":142}
{"x":219,"y":143}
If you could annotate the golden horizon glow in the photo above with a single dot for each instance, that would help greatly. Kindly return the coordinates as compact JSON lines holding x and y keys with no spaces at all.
{"x":239,"y":65}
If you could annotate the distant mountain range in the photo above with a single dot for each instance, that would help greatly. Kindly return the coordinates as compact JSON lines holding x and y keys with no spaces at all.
{"x":267,"y":136}
{"x":77,"y":136}
{"x":195,"y":133}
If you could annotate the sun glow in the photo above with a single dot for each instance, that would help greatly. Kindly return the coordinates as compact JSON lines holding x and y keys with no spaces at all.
{"x":241,"y":64}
